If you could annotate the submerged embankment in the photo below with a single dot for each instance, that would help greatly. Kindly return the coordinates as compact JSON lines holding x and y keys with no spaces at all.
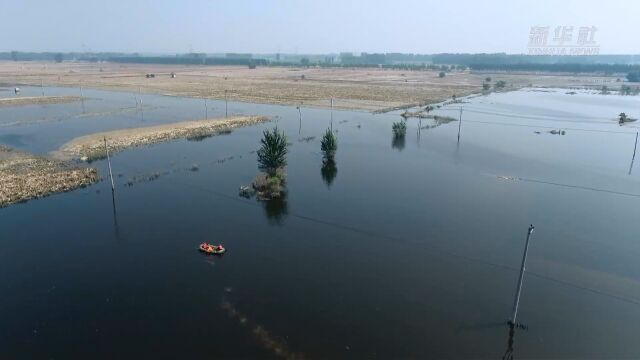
{"x":37,"y":100}
{"x":25,"y":176}
{"x":92,"y":147}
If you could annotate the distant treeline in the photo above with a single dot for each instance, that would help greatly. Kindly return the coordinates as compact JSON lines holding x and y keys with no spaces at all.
{"x":185,"y":60}
{"x":506,"y":59}
{"x":56,"y":56}
{"x":607,"y":64}
{"x":381,"y":66}
{"x":564,"y":68}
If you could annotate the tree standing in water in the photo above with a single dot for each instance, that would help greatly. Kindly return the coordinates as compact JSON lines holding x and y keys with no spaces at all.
{"x":272,"y":155}
{"x":328,"y":146}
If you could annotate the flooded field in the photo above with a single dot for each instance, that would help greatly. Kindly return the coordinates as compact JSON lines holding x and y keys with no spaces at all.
{"x":409,"y":248}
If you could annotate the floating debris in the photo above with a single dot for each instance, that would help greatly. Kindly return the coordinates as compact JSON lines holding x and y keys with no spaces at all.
{"x":277,"y":346}
{"x":246,"y":191}
{"x":145,"y":178}
{"x":307,"y":139}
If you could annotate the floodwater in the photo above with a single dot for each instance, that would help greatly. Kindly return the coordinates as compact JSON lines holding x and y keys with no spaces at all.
{"x":409,"y":248}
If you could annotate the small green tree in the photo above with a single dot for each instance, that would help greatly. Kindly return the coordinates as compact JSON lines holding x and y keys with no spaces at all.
{"x":58,"y":57}
{"x":272,"y":154}
{"x":486,"y":86}
{"x":399,"y":128}
{"x":634,"y":76}
{"x":441,"y":74}
{"x":500,"y":84}
{"x":329,"y":146}
{"x":487,"y":79}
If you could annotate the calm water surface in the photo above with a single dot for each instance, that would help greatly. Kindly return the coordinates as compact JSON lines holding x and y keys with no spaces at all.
{"x":408,"y":249}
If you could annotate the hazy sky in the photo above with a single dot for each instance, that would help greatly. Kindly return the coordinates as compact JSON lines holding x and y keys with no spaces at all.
{"x":288,"y":26}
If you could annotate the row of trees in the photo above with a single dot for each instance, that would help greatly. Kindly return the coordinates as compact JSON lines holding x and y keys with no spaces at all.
{"x":272,"y":159}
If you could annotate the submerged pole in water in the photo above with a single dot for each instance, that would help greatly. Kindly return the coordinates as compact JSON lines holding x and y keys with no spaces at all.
{"x":300,"y":117}
{"x":332,"y":113}
{"x":206,"y":113}
{"x":634,"y":147}
{"x":82,"y":99}
{"x":226,"y":107}
{"x":634,"y":154}
{"x":106,"y":149}
{"x":42,"y":87}
{"x":459,"y":124}
{"x":516,"y":300}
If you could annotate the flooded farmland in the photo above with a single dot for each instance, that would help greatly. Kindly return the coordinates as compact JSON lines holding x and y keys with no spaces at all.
{"x":408,"y":248}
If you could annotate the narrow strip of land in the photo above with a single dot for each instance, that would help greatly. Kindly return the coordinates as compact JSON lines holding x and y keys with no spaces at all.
{"x":92,"y":147}
{"x":25,"y":176}
{"x":37,"y":100}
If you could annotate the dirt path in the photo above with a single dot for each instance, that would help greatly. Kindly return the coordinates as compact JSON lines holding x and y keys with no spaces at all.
{"x":25,"y":176}
{"x":91,"y":147}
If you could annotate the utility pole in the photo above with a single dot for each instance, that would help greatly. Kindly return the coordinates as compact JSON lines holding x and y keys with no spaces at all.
{"x":332,"y":114}
{"x":634,"y":147}
{"x":42,"y":86}
{"x":226,"y":111}
{"x":459,"y":124}
{"x":634,"y":154}
{"x":82,"y":98}
{"x":106,"y":149}
{"x":516,"y":300}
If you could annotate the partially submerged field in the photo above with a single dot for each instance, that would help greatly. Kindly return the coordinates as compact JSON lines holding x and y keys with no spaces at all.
{"x":92,"y":147}
{"x":368,"y":89}
{"x":25,"y":176}
{"x":37,"y":100}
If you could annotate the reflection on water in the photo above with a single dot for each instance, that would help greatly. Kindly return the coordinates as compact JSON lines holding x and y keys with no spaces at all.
{"x":508,"y":354}
{"x":276,"y":209}
{"x":329,"y":171}
{"x":398,"y":141}
{"x":116,"y":228}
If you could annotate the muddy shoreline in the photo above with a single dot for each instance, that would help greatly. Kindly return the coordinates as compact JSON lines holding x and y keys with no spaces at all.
{"x":25,"y":176}
{"x":92,"y":147}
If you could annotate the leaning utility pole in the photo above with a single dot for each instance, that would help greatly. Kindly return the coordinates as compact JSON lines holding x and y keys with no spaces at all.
{"x":106,"y":149}
{"x":516,"y":300}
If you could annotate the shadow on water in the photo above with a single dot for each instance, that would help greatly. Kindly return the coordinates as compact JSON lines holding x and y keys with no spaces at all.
{"x":329,"y":171}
